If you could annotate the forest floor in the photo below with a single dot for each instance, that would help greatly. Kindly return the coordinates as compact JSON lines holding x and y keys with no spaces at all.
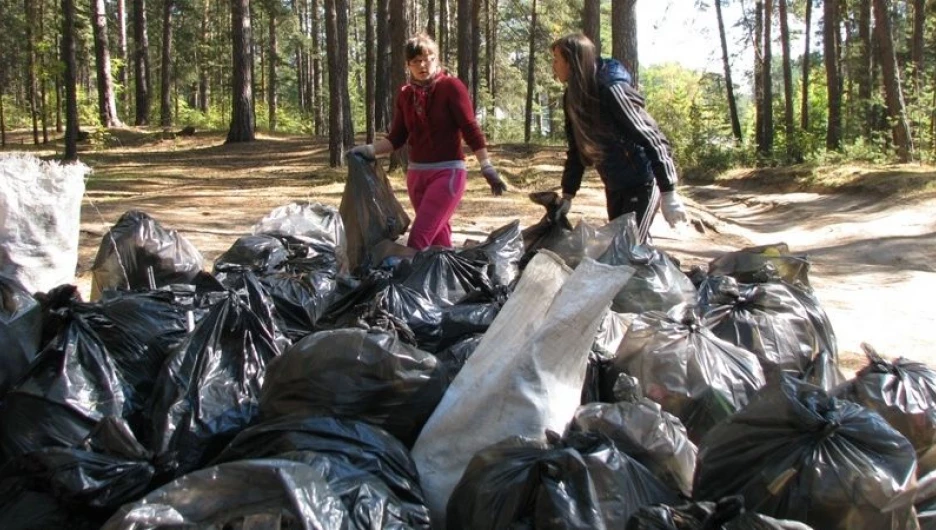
{"x":869,"y":232}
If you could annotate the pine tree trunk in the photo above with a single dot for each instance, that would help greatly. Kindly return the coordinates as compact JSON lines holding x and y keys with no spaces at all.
{"x":107,"y":106}
{"x":896,"y":109}
{"x":336,"y":74}
{"x":863,"y":72}
{"x":383,"y":91}
{"x":165,"y":68}
{"x":141,"y":66}
{"x":729,"y":84}
{"x":591,"y":22}
{"x":430,"y":19}
{"x":767,"y":72}
{"x":624,"y":36}
{"x":397,"y":30}
{"x":807,"y":33}
{"x":759,"y":140}
{"x":369,"y":71}
{"x":831,"y":49}
{"x":464,"y":41}
{"x":318,"y":98}
{"x":203,"y":73}
{"x":531,"y":70}
{"x":32,"y":87}
{"x":242,"y":113}
{"x":123,"y":75}
{"x":789,"y":119}
{"x":70,"y":81}
{"x":475,"y":51}
{"x":272,"y":101}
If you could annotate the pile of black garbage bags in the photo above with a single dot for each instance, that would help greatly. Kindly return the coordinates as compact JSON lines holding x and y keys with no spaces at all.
{"x":291,"y":387}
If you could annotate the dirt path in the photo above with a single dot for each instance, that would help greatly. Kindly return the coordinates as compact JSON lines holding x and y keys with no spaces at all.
{"x":873,"y":264}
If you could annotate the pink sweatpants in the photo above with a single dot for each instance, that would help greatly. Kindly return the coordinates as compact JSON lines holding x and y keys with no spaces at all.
{"x":434,"y":194}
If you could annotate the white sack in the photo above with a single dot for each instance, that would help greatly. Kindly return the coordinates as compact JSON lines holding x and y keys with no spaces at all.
{"x":40,"y":215}
{"x":526,"y":375}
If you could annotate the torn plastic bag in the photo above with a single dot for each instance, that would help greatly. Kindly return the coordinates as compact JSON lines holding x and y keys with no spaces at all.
{"x":370,"y":211}
{"x":20,"y":331}
{"x":381,"y":302}
{"x":109,"y":470}
{"x":359,"y":374}
{"x":582,"y":483}
{"x":453,"y":358}
{"x":770,"y":320}
{"x":903,"y":392}
{"x":726,"y":514}
{"x":503,"y":249}
{"x":138,"y":253}
{"x":755,"y":264}
{"x":526,"y":375}
{"x":657,"y":283}
{"x":40,"y":215}
{"x":247,"y":494}
{"x":308,"y":229}
{"x":355,"y":444}
{"x":644,"y":431}
{"x":681,"y":365}
{"x":209,"y":389}
{"x":446,"y":277}
{"x":796,"y":453}
{"x":71,"y":386}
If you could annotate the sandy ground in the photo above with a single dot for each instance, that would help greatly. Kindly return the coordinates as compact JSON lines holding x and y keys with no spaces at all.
{"x":872,"y":263}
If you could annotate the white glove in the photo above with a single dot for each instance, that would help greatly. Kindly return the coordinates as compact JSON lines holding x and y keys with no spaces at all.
{"x":365,"y":151}
{"x":673,"y":210}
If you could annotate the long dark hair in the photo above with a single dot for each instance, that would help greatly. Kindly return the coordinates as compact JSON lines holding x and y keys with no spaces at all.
{"x":581,"y":100}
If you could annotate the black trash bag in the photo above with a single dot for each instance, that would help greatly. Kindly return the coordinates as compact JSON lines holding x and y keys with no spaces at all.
{"x":681,"y":365}
{"x":453,"y":358}
{"x":110,"y":469}
{"x":446,"y":277}
{"x":503,"y":249}
{"x":209,"y":389}
{"x":27,"y":505}
{"x":771,"y":320}
{"x":575,"y":483}
{"x":370,"y":211}
{"x":138,"y":253}
{"x":757,"y":264}
{"x":71,"y":386}
{"x":925,"y":502}
{"x":657,"y":283}
{"x":309,"y":230}
{"x":20,"y":331}
{"x":261,"y":254}
{"x":796,"y":453}
{"x":270,"y":493}
{"x":355,"y":444}
{"x":726,"y":514}
{"x":139,"y":331}
{"x":903,"y":392}
{"x":300,"y":300}
{"x":545,"y":233}
{"x":383,"y":303}
{"x":460,"y":321}
{"x":352,"y":373}
{"x":608,"y":338}
{"x":644,"y":431}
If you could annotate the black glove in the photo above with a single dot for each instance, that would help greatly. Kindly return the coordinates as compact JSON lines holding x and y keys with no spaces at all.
{"x":493,"y":179}
{"x":563,"y":205}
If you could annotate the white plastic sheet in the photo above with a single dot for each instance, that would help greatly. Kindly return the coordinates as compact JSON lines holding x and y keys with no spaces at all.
{"x":526,"y":375}
{"x":40,"y":215}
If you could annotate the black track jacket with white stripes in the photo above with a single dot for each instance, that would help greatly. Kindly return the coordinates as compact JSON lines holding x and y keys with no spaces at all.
{"x":635,"y":150}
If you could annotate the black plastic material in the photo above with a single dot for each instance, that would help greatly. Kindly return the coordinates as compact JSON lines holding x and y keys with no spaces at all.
{"x":20,"y":331}
{"x":796,"y":453}
{"x":353,"y":373}
{"x":370,"y":211}
{"x":575,"y":483}
{"x":138,"y":253}
{"x":726,"y":514}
